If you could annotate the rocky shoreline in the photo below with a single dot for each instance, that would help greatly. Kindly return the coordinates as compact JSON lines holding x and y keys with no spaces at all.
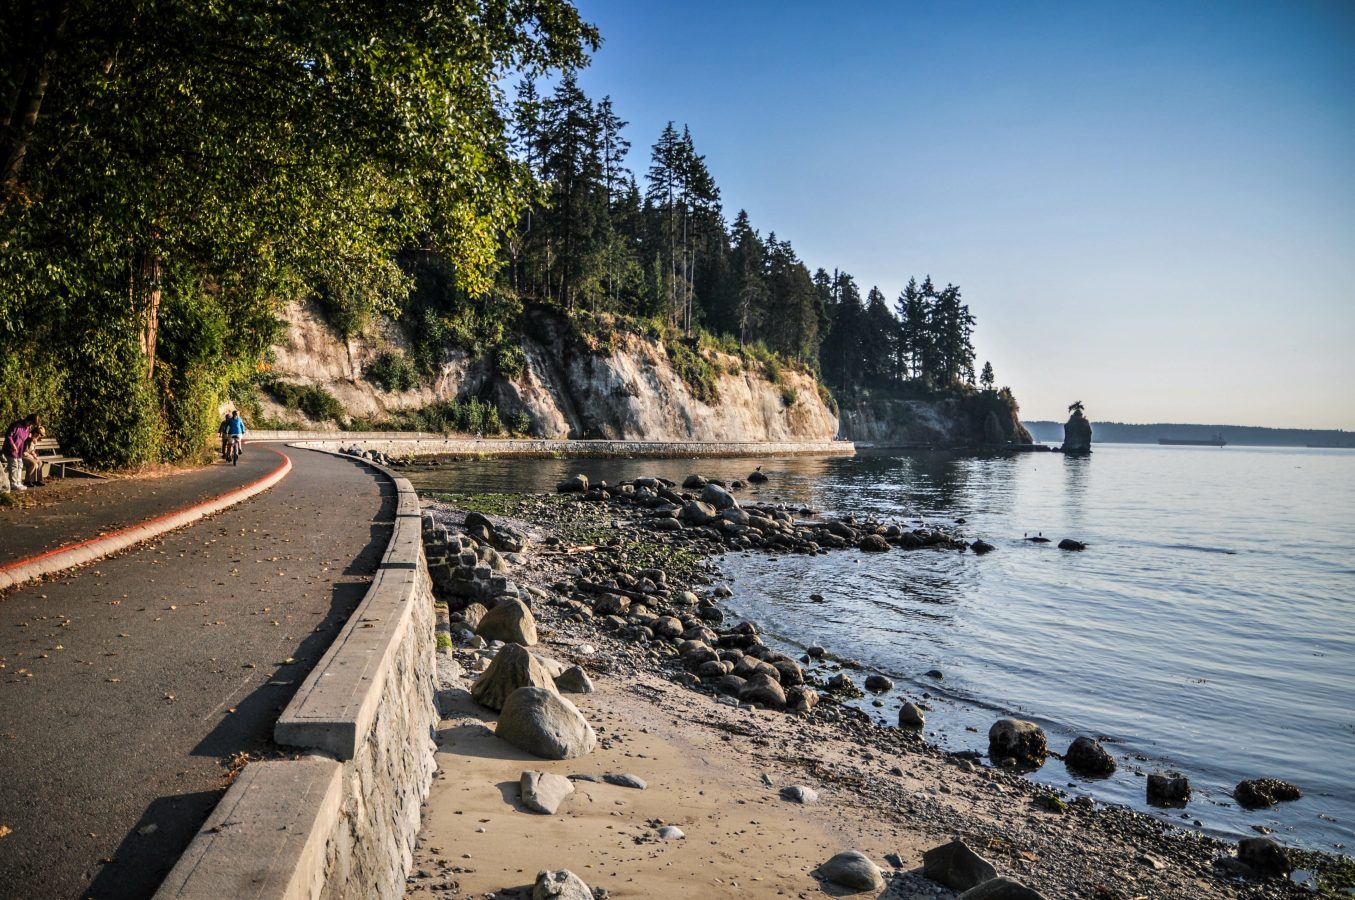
{"x":616,"y":582}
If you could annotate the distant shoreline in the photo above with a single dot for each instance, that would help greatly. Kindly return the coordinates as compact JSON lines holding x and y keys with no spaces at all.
{"x":1234,"y":435}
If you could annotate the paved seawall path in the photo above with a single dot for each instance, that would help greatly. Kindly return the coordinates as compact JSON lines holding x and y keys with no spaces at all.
{"x":130,"y":684}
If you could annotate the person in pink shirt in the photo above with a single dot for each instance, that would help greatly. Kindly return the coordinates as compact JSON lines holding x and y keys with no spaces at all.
{"x":17,"y":437}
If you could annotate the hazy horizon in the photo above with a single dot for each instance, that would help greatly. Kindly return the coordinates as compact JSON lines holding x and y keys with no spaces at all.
{"x":1148,"y":208}
{"x":1095,"y":420}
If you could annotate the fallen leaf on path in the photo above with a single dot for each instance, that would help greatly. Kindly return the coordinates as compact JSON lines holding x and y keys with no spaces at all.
{"x":5,"y":831}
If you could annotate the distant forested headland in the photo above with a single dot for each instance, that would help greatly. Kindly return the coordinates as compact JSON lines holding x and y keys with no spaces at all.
{"x":174,"y":175}
{"x":1122,"y":433}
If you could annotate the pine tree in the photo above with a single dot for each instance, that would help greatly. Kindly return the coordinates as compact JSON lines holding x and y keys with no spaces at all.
{"x":986,"y":379}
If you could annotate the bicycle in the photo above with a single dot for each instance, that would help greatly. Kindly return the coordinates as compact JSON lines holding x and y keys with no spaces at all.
{"x":233,"y":449}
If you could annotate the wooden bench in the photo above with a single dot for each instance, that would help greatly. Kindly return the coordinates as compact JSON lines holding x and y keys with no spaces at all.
{"x":52,"y":459}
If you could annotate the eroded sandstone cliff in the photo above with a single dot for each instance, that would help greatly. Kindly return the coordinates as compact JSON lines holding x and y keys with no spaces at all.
{"x":628,"y":389}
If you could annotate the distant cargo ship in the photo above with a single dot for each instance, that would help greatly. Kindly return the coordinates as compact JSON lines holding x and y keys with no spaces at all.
{"x":1216,"y":441}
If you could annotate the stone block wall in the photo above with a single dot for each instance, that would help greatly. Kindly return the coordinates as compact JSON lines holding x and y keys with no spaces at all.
{"x":372,"y":848}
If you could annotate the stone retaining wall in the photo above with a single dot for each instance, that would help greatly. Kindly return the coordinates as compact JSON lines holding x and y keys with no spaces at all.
{"x":407,"y":446}
{"x":340,"y":821}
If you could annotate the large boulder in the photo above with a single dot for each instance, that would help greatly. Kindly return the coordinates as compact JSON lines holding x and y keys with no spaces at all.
{"x":560,"y":885}
{"x":513,"y":667}
{"x":1019,"y":740}
{"x":575,"y":484}
{"x":764,"y":689}
{"x":1001,"y":888}
{"x":873,"y":543}
{"x":1086,"y":756}
{"x":473,"y":615}
{"x":1264,"y":856}
{"x":718,"y":497}
{"x":511,"y":622}
{"x":956,"y":866}
{"x":801,"y":698}
{"x":543,"y":792}
{"x":1168,"y":789}
{"x":878,"y":683}
{"x":853,"y":869}
{"x":694,"y":512}
{"x":543,"y":723}
{"x":574,"y":680}
{"x":1261,"y":793}
{"x":911,"y":716}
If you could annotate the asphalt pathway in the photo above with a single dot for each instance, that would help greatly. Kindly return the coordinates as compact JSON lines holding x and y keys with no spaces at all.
{"x":73,"y":509}
{"x":130,"y":687}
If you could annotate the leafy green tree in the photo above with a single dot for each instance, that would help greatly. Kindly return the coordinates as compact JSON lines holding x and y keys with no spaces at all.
{"x":253,"y":151}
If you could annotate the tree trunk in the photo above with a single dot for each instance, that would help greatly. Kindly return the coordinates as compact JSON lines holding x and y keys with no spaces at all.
{"x":145,"y":290}
{"x":25,"y":102}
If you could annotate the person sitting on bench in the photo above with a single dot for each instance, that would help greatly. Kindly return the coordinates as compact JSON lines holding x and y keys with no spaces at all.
{"x":32,"y":462}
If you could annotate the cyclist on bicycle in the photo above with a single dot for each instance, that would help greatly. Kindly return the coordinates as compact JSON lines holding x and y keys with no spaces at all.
{"x":235,"y":434}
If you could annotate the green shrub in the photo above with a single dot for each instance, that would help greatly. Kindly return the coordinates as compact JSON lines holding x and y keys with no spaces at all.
{"x":520,"y":423}
{"x":694,"y":369}
{"x":191,"y":372}
{"x":392,"y":371}
{"x":509,"y":360}
{"x":789,"y":395}
{"x":316,"y":402}
{"x":110,"y":417}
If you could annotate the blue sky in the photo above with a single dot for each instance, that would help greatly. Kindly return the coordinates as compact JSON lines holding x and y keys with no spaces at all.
{"x":1149,"y":206}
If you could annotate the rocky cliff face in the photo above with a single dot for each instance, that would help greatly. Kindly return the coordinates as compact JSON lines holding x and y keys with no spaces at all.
{"x":973,"y":421}
{"x":629,"y":391}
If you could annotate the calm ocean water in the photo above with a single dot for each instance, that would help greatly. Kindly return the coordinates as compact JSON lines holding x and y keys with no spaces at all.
{"x":1209,"y":627}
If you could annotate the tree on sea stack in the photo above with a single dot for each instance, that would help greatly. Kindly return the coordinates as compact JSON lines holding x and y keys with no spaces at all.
{"x":1077,"y":431}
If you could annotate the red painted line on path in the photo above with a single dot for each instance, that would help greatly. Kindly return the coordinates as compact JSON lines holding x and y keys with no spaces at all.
{"x":286,"y":463}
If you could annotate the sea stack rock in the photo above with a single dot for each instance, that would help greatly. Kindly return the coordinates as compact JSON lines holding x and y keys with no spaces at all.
{"x":1077,"y":432}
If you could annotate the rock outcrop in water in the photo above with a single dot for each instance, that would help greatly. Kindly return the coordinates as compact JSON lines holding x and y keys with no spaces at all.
{"x":1077,"y":432}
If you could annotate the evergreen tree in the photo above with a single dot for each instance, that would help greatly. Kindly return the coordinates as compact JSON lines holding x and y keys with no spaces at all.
{"x":986,"y":379}
{"x":879,"y":341}
{"x":572,"y":168}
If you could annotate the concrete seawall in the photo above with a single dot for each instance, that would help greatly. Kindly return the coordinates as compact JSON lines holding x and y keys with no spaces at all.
{"x":410,"y":445}
{"x":341,"y":819}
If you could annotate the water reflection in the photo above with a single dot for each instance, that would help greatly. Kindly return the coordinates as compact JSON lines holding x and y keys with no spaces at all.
{"x":1113,"y":641}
